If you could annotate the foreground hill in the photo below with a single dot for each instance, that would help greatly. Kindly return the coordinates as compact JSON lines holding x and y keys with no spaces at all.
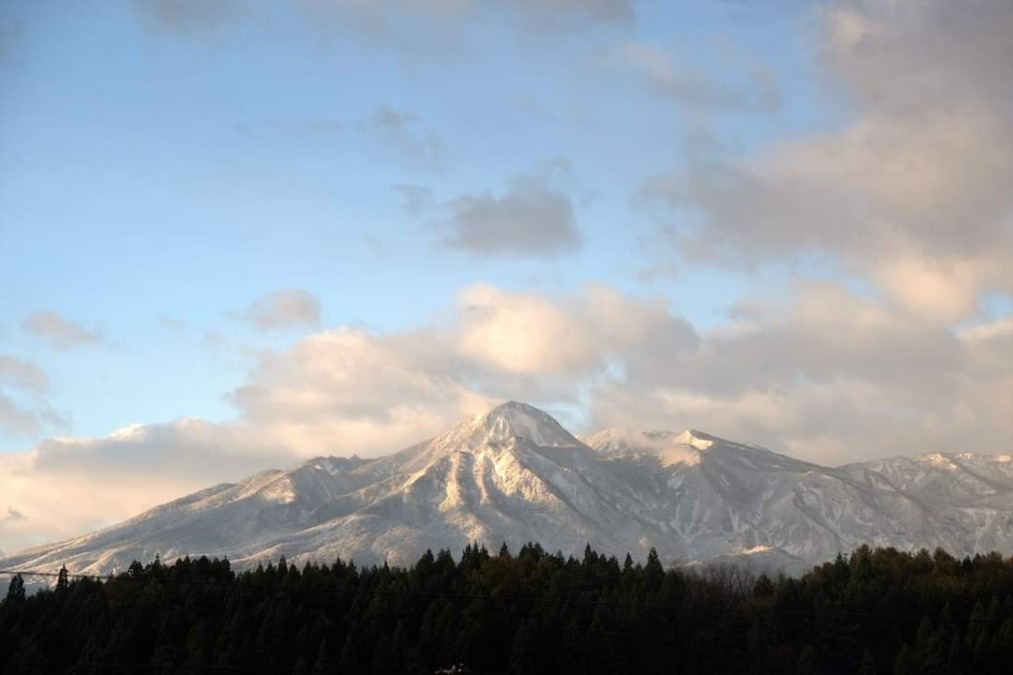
{"x":515,"y":475}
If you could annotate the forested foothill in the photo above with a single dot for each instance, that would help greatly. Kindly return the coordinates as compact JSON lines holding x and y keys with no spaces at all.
{"x":875,"y":611}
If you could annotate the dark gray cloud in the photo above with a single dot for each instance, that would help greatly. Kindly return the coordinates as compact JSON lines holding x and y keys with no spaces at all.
{"x":283,"y":310}
{"x":531,"y":218}
{"x":59,"y":331}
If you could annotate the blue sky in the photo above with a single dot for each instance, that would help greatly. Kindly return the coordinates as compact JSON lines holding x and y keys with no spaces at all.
{"x":162,"y":171}
{"x":644,"y":213}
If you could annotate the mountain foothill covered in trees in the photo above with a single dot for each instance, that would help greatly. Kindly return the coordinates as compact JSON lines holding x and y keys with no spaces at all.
{"x":529,"y":611}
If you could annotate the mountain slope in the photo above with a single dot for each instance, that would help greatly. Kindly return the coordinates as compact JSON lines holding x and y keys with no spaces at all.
{"x":728,"y":495}
{"x":515,"y":475}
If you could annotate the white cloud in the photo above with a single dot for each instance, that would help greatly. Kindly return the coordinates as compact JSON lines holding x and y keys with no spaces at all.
{"x":523,"y":333}
{"x":827,"y":375}
{"x":346,"y":391}
{"x":832,"y":377}
{"x":349,"y":390}
{"x":66,"y":487}
{"x":811,"y":375}
{"x":912,"y":193}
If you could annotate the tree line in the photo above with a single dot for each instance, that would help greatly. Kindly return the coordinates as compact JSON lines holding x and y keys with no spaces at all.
{"x":875,"y":611}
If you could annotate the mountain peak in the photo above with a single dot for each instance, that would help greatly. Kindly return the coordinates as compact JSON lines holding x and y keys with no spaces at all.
{"x":513,"y":419}
{"x":511,"y":410}
{"x":515,"y":475}
{"x":696,"y":439}
{"x":670,"y":447}
{"x":621,"y":440}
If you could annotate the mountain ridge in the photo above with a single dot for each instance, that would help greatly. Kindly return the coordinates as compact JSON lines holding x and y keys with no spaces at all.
{"x":515,"y":475}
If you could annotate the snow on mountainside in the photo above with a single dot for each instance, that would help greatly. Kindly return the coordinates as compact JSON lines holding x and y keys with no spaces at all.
{"x":515,"y":475}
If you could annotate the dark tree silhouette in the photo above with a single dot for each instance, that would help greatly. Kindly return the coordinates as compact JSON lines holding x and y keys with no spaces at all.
{"x":876,"y":611}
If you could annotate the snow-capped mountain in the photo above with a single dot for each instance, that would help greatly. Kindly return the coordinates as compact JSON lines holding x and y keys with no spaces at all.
{"x":515,"y":475}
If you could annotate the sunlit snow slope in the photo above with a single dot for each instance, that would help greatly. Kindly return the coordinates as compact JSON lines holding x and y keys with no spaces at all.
{"x":515,"y":475}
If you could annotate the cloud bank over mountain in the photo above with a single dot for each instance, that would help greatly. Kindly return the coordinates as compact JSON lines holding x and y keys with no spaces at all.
{"x":809,"y":379}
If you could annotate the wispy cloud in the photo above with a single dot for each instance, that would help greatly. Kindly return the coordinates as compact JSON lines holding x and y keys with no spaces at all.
{"x":284,"y":310}
{"x":415,"y":199}
{"x":27,"y":421}
{"x":401,"y":132}
{"x":190,"y":17}
{"x":24,"y":409}
{"x":23,"y":375}
{"x":380,"y":18}
{"x":61,"y":332}
{"x":682,"y":82}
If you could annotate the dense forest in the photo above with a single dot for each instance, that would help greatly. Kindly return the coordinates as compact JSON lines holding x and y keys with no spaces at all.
{"x":877,"y":611}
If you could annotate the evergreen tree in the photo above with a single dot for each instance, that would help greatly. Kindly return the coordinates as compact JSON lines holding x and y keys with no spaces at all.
{"x":15,"y":592}
{"x":880,"y":610}
{"x":868,"y":664}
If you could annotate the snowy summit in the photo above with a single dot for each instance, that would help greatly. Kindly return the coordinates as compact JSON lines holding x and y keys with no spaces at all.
{"x":515,"y":475}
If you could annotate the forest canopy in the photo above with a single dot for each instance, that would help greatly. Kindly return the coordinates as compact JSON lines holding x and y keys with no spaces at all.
{"x":876,"y":611}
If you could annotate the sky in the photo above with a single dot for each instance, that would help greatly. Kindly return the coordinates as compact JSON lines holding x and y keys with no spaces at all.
{"x":237,"y":234}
